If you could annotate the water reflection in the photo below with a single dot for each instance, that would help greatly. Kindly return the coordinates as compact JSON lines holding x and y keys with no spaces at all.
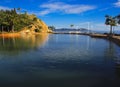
{"x":63,"y":61}
{"x":117,"y":66}
{"x":117,"y":70}
{"x":110,"y":50}
{"x":23,"y":43}
{"x":111,"y":56}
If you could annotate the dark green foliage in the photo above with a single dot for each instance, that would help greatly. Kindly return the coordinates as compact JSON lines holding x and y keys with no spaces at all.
{"x":35,"y":19}
{"x":51,"y":28}
{"x":111,"y":21}
{"x":118,"y":18}
{"x":37,"y":30}
{"x":10,"y":20}
{"x":29,"y":27}
{"x":72,"y":25}
{"x":40,"y":27}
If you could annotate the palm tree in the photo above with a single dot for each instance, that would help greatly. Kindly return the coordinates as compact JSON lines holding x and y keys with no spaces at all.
{"x":118,"y":18}
{"x":111,"y":21}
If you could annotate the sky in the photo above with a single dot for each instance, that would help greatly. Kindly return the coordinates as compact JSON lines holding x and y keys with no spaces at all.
{"x":62,"y":13}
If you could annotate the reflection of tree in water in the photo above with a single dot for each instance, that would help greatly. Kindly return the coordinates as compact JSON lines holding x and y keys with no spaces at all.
{"x":117,"y":69}
{"x":110,"y":51}
{"x":117,"y":66}
{"x":111,"y":55}
{"x":14,"y":45}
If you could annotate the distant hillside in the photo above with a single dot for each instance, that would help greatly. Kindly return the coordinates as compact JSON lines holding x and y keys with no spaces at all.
{"x":68,"y":29}
{"x":14,"y":21}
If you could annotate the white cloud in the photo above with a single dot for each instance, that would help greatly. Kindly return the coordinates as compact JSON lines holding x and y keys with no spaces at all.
{"x":117,"y":4}
{"x":4,"y":8}
{"x":45,"y":12}
{"x":64,"y":8}
{"x":104,"y":9}
{"x":38,"y":13}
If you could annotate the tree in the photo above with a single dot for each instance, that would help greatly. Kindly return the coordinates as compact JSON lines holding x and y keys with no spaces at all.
{"x":118,"y":18}
{"x":111,"y":21}
{"x":13,"y":19}
{"x":4,"y":20}
{"x":71,"y":25}
{"x":19,"y":10}
{"x":10,"y":20}
{"x":51,"y":28}
{"x":1,"y":21}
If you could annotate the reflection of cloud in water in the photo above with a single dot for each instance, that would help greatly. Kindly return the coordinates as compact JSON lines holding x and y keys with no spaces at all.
{"x":14,"y":45}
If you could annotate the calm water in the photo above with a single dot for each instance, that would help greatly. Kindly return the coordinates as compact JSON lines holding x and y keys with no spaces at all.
{"x":59,"y":61}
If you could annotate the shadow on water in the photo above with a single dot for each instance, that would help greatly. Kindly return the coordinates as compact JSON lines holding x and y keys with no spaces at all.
{"x":15,"y":45}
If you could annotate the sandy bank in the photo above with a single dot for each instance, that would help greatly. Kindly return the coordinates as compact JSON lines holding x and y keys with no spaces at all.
{"x":99,"y":35}
{"x":9,"y":35}
{"x":18,"y":34}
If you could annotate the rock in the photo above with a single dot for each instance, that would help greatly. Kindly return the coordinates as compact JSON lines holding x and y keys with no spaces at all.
{"x":37,"y":26}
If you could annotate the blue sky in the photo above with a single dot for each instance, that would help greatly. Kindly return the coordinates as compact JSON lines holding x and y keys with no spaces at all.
{"x":62,"y":13}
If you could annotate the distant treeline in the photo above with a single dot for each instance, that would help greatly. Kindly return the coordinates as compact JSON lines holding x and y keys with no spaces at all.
{"x":13,"y":20}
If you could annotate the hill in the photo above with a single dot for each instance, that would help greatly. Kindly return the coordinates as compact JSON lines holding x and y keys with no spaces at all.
{"x":36,"y":25}
{"x":14,"y":21}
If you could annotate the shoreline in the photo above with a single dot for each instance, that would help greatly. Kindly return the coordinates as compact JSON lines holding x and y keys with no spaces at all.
{"x":9,"y":35}
{"x":114,"y":38}
{"x":17,"y":34}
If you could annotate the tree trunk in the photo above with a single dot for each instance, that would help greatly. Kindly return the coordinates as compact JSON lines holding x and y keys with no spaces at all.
{"x":8,"y":28}
{"x":12,"y":28}
{"x":2,"y":28}
{"x":111,"y":27}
